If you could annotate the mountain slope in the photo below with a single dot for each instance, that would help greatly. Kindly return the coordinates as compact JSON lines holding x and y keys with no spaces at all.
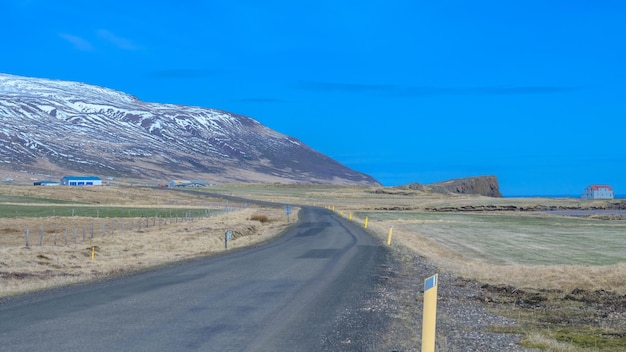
{"x":59,"y":127}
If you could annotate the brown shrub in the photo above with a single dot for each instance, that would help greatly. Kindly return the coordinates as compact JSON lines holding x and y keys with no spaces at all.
{"x":259,"y":218}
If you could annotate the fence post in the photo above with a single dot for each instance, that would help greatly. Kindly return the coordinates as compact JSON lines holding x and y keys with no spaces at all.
{"x":65,"y":238}
{"x":27,"y":235}
{"x":75,"y":232}
{"x":41,"y":237}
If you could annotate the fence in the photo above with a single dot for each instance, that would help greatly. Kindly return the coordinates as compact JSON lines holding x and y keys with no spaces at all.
{"x":110,"y":226}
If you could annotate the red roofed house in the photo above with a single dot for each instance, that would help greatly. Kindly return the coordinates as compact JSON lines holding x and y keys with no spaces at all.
{"x":598,"y":192}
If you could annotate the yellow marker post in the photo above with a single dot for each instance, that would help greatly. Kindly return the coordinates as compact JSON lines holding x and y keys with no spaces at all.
{"x":366,"y":221}
{"x":333,"y":208}
{"x":93,"y":252}
{"x":389,"y":236}
{"x":350,"y":216}
{"x":430,"y":313}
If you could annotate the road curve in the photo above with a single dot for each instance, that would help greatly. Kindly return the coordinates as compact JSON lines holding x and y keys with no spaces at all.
{"x":285,"y":295}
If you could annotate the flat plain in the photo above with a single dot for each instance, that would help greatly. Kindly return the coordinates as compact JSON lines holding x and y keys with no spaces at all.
{"x":517,"y":248}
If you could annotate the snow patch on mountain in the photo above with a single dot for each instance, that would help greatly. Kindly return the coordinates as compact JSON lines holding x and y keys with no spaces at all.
{"x":89,"y":129}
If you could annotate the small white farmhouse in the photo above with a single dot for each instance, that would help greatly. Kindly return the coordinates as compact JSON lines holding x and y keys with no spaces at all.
{"x":598,"y":192}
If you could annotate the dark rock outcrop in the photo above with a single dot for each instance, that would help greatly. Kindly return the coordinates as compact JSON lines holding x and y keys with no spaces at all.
{"x":481,"y":185}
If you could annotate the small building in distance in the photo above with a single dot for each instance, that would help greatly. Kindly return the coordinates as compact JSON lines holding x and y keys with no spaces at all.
{"x":81,"y":181}
{"x":598,"y":192}
{"x":45,"y":183}
{"x":187,"y":183}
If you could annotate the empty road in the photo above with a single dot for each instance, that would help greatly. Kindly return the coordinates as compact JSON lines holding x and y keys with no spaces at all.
{"x":285,"y":295}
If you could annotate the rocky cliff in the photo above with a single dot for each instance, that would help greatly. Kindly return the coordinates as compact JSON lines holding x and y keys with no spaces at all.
{"x":482,"y":185}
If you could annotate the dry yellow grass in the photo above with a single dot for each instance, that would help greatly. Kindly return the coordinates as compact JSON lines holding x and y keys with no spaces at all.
{"x":564,"y":277}
{"x":35,"y":267}
{"x":135,"y":196}
{"x":549,"y":344}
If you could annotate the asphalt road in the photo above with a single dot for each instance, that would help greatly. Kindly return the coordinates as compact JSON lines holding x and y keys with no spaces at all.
{"x":286,"y":295}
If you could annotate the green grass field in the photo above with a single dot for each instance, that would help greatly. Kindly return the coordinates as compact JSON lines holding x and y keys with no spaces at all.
{"x":518,"y":239}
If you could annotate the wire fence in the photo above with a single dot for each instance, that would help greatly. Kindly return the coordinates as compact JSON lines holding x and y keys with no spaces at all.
{"x":101,"y":228}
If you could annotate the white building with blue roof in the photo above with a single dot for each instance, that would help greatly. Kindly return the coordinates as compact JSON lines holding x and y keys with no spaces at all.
{"x":81,"y":181}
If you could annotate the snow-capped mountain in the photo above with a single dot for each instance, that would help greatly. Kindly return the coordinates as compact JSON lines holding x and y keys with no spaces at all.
{"x":60,"y":127}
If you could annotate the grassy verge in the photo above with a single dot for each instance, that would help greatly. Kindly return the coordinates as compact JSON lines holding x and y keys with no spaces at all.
{"x":40,"y":210}
{"x":560,"y":278}
{"x":555,"y":320}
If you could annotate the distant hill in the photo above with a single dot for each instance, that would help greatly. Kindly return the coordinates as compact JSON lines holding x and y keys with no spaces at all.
{"x":53,"y":128}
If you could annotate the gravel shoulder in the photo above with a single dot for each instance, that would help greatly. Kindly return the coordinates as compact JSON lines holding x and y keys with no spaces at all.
{"x":390,"y":313}
{"x":463,"y":321}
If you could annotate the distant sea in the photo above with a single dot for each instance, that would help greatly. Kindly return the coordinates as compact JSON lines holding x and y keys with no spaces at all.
{"x":617,"y":196}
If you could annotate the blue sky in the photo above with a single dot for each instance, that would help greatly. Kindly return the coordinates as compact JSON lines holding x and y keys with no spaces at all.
{"x":532,"y":92}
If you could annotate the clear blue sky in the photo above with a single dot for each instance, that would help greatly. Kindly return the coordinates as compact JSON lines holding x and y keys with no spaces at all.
{"x":533,"y":92}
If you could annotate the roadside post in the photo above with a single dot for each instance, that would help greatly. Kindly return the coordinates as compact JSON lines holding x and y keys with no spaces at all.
{"x":287,"y":211}
{"x":389,"y":236}
{"x":366,"y":221}
{"x":228,"y":235}
{"x":429,"y":320}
